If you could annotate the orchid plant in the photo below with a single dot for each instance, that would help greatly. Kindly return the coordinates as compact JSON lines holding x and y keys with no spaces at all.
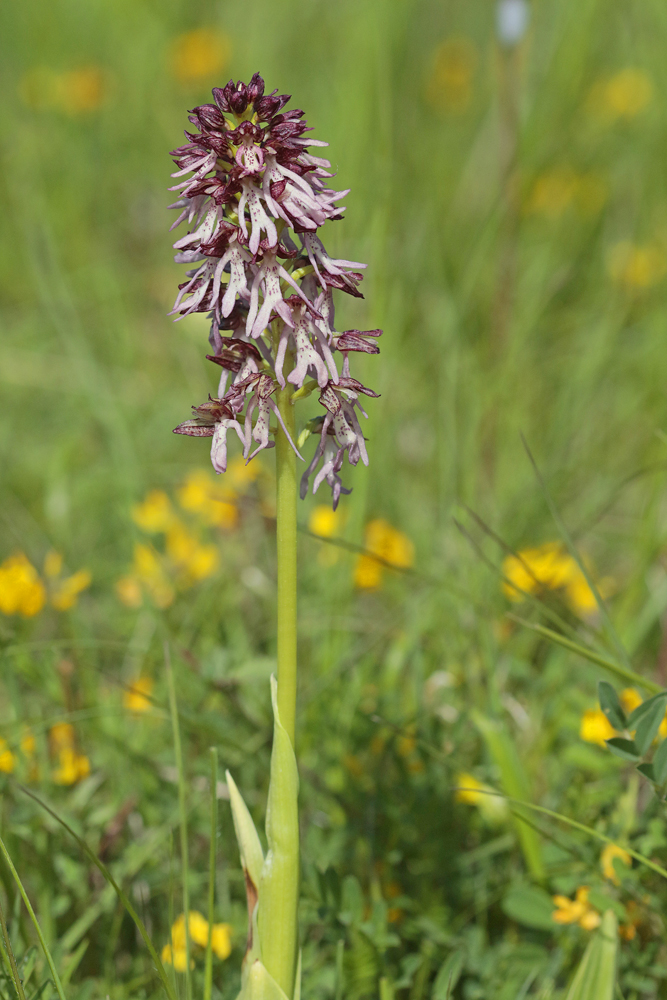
{"x":251,"y":189}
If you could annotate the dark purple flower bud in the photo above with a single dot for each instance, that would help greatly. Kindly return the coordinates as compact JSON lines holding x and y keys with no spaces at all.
{"x":356,"y":340}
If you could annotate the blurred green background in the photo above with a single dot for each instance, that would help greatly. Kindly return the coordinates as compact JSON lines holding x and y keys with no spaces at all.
{"x":510,"y":200}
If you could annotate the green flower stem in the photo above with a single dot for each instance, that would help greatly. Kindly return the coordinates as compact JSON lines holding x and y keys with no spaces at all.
{"x":279,"y":888}
{"x":286,"y":496}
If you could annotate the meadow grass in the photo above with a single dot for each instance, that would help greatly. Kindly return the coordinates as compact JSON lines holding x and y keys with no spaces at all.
{"x":513,"y":211}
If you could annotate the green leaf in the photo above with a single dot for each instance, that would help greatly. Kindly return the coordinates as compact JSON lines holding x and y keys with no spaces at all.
{"x":647,"y":727}
{"x":660,"y":763}
{"x":448,"y":975}
{"x":250,"y":849}
{"x":625,"y":749}
{"x":610,"y":705}
{"x":635,"y":717}
{"x":278,"y":887}
{"x":596,"y":974}
{"x":530,"y":906}
{"x":260,"y":985}
{"x":648,"y":771}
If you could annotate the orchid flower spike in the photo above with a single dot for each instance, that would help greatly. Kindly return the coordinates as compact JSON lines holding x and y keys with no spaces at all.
{"x":249,"y":189}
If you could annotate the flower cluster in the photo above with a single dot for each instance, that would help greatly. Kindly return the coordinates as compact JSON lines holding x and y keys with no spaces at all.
{"x":250,"y":180}
{"x":596,"y":727}
{"x":577,"y":910}
{"x":72,"y":765}
{"x":549,"y":567}
{"x":175,"y":953}
{"x":24,"y":592}
{"x":384,"y":546}
{"x":183,"y":560}
{"x":492,"y":807}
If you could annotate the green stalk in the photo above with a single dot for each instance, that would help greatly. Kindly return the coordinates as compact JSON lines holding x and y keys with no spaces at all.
{"x":286,"y":496}
{"x":185,"y":866}
{"x":279,"y":884}
{"x":208,"y":971}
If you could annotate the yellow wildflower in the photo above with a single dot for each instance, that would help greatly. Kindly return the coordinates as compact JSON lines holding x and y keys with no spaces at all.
{"x":213,"y":503}
{"x":74,"y":92}
{"x":241,"y":473}
{"x":475,"y":793}
{"x":135,"y":698}
{"x":155,"y":513}
{"x":630,"y":699}
{"x":637,"y":268}
{"x":61,"y":736}
{"x":129,"y":592}
{"x":67,"y":592}
{"x":80,"y":90}
{"x":577,"y":910}
{"x":7,"y":758}
{"x":388,"y":544}
{"x":198,"y":927}
{"x":596,"y":727}
{"x":21,"y":589}
{"x":176,"y":957}
{"x":326,"y":523}
{"x":560,"y":188}
{"x":367,"y":573}
{"x":609,"y":853}
{"x":450,"y":85}
{"x":72,"y":767}
{"x":198,"y":54}
{"x":221,"y":941}
{"x":547,"y":567}
{"x":28,"y":743}
{"x":621,"y":96}
{"x":149,"y":571}
{"x":53,"y":564}
{"x":552,"y":192}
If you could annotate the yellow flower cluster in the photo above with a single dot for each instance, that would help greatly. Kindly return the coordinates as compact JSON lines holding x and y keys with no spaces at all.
{"x":596,"y":727}
{"x":637,"y":267}
{"x":23,"y":592}
{"x":577,"y":910}
{"x":8,"y":759}
{"x":136,"y":697}
{"x":184,"y":560}
{"x":492,"y":807}
{"x":609,"y":853}
{"x":548,"y":567}
{"x":622,"y":96}
{"x":174,"y":953}
{"x":198,"y":54}
{"x":73,"y":92}
{"x":326,"y":523}
{"x":450,"y":84}
{"x":561,"y":188}
{"x":389,"y":545}
{"x":72,"y":766}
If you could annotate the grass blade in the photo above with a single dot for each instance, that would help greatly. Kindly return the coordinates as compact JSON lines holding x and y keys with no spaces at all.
{"x":208,"y":971}
{"x":185,"y":866}
{"x":595,"y":976}
{"x":38,"y":929}
{"x":590,"y":654}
